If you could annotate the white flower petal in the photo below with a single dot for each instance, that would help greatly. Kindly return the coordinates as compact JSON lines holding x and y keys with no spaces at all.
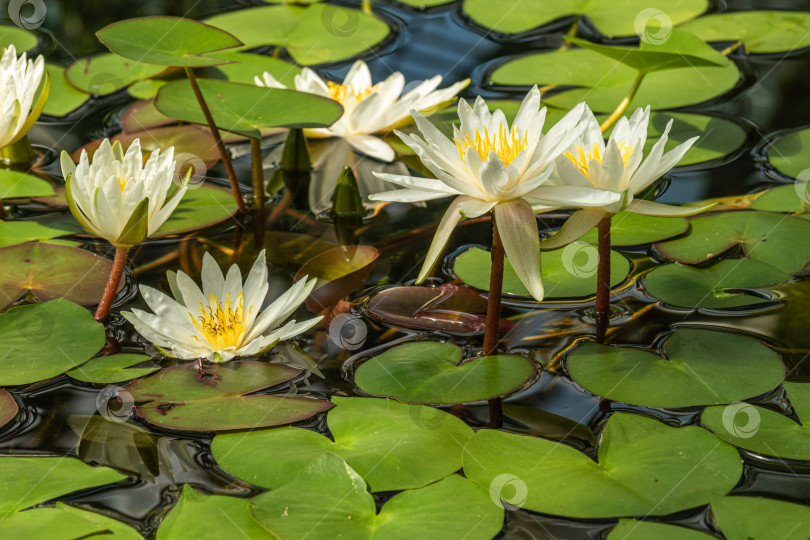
{"x":574,"y":228}
{"x":517,"y":228}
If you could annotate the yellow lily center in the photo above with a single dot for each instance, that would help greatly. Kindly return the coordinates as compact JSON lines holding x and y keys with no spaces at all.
{"x":122,"y":183}
{"x":340,"y":91}
{"x":582,"y":159}
{"x":224,"y":327}
{"x":506,"y":145}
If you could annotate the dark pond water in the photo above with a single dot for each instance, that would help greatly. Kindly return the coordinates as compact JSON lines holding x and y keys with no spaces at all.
{"x":773,"y":96}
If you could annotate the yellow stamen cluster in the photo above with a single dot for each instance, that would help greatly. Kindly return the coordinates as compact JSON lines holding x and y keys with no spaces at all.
{"x":340,"y":91}
{"x":581,"y":160}
{"x":506,"y":146}
{"x":224,"y":327}
{"x":122,"y":183}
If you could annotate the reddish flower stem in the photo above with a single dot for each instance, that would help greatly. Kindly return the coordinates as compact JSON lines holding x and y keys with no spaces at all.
{"x":104,"y":306}
{"x":494,"y":317}
{"x":603,"y":281}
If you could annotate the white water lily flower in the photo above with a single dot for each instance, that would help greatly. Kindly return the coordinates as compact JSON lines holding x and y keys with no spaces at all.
{"x":224,"y":319}
{"x":19,"y":81}
{"x":616,"y":167}
{"x":491,"y":166}
{"x":369,"y":108}
{"x":117,"y":196}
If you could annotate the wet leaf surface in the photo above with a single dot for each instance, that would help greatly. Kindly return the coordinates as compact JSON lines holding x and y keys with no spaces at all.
{"x":760,"y":31}
{"x":631,"y":229}
{"x":113,"y":368}
{"x":8,"y":408}
{"x":19,"y":232}
{"x":340,"y":272}
{"x":742,"y":518}
{"x":15,"y":185}
{"x":63,"y":97}
{"x":107,"y":73}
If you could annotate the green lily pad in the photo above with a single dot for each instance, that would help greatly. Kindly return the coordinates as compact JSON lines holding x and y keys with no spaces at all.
{"x":64,"y":521}
{"x":167,"y":41}
{"x":16,"y":185}
{"x":19,"y":232}
{"x":392,"y":445}
{"x":760,"y":31}
{"x":765,"y":431}
{"x":610,"y":18}
{"x":198,"y":516}
{"x":329,"y":500}
{"x":107,"y":73}
{"x":145,"y":89}
{"x":763,"y":236}
{"x":630,"y":529}
{"x":215,"y":398}
{"x":314,"y":34}
{"x":781,"y":199}
{"x":32,"y":480}
{"x":631,"y":229}
{"x":8,"y":408}
{"x":245,"y":108}
{"x":569,"y":272}
{"x":63,"y":97}
{"x":644,"y":467}
{"x":747,"y":518}
{"x":49,"y":271}
{"x":112,"y":369}
{"x":22,"y":39}
{"x":44,"y":340}
{"x":694,"y":367}
{"x":246,"y":66}
{"x":720,"y":286}
{"x":200,"y":208}
{"x":789,"y":155}
{"x":429,"y":372}
{"x":424,"y":4}
{"x":604,"y":82}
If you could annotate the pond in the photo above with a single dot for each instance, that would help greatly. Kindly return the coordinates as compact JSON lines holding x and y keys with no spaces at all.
{"x":290,"y":326}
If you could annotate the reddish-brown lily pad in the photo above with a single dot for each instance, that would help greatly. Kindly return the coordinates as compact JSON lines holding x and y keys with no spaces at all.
{"x":340,"y":271}
{"x":143,"y":115}
{"x":8,"y":408}
{"x":218,"y":397}
{"x":50,"y":271}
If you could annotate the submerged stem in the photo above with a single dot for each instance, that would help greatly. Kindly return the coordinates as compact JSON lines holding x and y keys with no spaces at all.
{"x":494,"y":316}
{"x":223,"y":152}
{"x":112,"y":284}
{"x":257,"y":176}
{"x":615,"y":115}
{"x":603,"y":281}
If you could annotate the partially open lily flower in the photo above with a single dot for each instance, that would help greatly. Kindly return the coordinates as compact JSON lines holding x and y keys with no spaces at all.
{"x":370,"y":108}
{"x":117,"y":196}
{"x":19,"y":81}
{"x":224,"y":319}
{"x":492,"y":166}
{"x":616,"y":167}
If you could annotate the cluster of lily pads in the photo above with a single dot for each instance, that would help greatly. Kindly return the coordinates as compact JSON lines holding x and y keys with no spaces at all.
{"x":215,"y":357}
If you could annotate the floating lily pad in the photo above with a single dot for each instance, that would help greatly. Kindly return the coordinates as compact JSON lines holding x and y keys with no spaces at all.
{"x":199,"y":208}
{"x":145,"y":89}
{"x":63,"y":97}
{"x":142,"y":115}
{"x":32,"y":480}
{"x":605,"y":82}
{"x":391,"y":445}
{"x":630,"y":529}
{"x":760,"y":31}
{"x":610,"y":18}
{"x":329,"y":500}
{"x":567,"y":272}
{"x":730,"y":283}
{"x":167,"y":41}
{"x":64,"y":521}
{"x":644,"y":468}
{"x":15,"y":185}
{"x":245,"y":108}
{"x":694,"y":367}
{"x":763,"y":236}
{"x":111,"y":369}
{"x":210,"y":516}
{"x":781,"y":199}
{"x":765,"y":431}
{"x":313,"y":34}
{"x":107,"y":73}
{"x":19,"y":232}
{"x":49,"y":271}
{"x":631,"y":229}
{"x":246,"y":66}
{"x":789,"y":155}
{"x":44,"y":340}
{"x":429,"y":372}
{"x":291,"y":250}
{"x":340,"y":271}
{"x":746,"y":518}
{"x":8,"y":408}
{"x":22,"y":39}
{"x":215,"y":398}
